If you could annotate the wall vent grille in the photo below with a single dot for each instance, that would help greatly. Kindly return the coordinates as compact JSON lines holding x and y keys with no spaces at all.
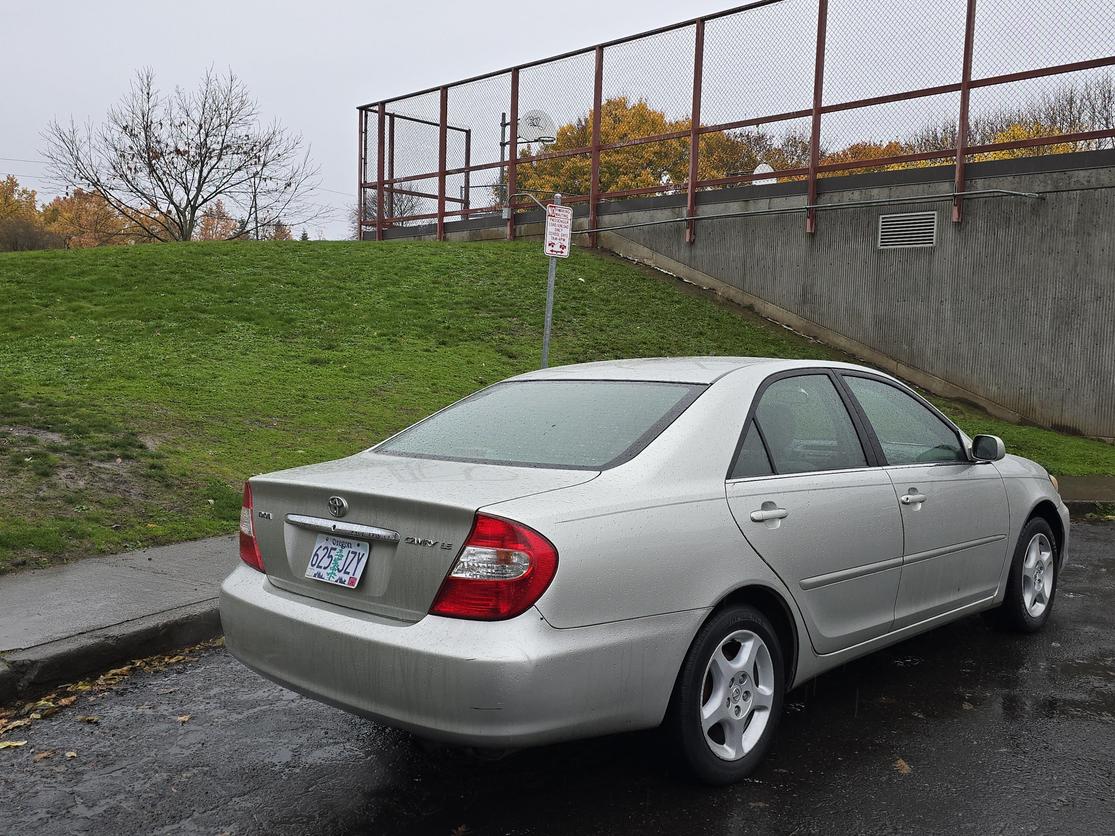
{"x":913,"y":229}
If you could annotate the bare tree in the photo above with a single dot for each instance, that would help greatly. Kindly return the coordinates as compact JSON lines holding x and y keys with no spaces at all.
{"x":398,"y":205}
{"x":160,"y":160}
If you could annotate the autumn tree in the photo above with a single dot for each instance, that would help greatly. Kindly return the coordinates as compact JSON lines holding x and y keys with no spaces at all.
{"x":648,"y":165}
{"x":21,"y":225}
{"x":160,"y":160}
{"x":217,"y":224}
{"x":85,"y":219}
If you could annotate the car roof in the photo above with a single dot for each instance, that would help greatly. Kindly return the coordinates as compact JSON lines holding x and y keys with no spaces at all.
{"x":671,"y":369}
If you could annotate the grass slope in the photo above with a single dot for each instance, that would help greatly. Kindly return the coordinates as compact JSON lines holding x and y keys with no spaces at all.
{"x":140,"y":385}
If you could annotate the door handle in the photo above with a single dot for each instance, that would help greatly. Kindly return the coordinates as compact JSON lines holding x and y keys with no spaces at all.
{"x":767,"y":514}
{"x":912,"y":497}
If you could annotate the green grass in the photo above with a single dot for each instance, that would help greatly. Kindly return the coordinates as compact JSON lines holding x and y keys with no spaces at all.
{"x":140,"y":385}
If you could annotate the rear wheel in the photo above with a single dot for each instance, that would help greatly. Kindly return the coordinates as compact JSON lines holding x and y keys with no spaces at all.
{"x":1032,"y":584}
{"x":729,"y":695}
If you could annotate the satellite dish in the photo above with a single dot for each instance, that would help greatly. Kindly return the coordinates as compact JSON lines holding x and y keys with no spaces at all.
{"x":536,"y":126}
{"x":763,"y":168}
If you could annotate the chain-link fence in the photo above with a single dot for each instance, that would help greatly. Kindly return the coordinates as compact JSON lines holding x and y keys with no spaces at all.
{"x":774,"y":91}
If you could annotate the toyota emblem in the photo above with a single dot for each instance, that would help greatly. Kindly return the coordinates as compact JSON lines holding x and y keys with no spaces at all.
{"x":338,"y":507}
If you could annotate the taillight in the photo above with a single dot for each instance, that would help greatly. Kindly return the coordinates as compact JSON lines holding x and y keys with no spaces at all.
{"x":249,"y":548}
{"x":502,"y":570}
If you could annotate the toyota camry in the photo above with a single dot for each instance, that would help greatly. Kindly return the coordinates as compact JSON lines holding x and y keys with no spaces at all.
{"x":621,"y":545}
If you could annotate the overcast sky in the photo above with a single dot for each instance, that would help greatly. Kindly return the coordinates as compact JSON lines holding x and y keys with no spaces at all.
{"x":311,"y":64}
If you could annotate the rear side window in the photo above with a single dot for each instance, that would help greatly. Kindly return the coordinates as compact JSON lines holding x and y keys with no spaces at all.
{"x":806,"y":426}
{"x":907,"y":430}
{"x":578,"y":424}
{"x":753,"y":460}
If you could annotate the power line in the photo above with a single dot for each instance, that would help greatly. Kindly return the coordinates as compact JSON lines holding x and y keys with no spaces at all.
{"x":333,"y":191}
{"x":26,"y":176}
{"x":23,"y":160}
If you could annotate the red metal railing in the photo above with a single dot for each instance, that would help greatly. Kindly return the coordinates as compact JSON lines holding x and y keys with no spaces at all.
{"x":442,"y":149}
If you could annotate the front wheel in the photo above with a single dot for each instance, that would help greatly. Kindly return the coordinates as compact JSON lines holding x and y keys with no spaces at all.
{"x":1032,"y":584}
{"x":729,"y":695}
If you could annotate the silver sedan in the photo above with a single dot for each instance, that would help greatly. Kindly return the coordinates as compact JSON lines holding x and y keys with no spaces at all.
{"x":621,"y":545}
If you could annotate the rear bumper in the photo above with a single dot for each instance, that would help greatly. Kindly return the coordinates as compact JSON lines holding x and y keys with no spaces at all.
{"x":503,"y":684}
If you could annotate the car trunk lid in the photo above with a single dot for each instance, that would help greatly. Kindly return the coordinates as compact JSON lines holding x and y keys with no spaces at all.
{"x":414,"y":513}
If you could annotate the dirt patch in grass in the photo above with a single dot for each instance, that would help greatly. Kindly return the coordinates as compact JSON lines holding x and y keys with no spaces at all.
{"x":74,"y":482}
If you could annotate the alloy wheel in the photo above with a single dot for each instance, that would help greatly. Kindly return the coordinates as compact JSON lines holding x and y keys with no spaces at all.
{"x":1037,"y":575}
{"x":737,"y":695}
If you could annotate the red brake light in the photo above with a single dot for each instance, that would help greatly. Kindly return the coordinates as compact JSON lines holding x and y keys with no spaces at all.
{"x":249,"y":548}
{"x":502,"y":570}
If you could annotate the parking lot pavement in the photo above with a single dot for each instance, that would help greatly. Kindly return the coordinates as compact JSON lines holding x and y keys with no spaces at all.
{"x":963,"y":730}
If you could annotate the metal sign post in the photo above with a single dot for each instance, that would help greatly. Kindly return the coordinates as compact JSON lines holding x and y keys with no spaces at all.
{"x":559,"y":235}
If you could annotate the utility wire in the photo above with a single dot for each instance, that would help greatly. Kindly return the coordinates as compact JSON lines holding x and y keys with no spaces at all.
{"x":23,"y":160}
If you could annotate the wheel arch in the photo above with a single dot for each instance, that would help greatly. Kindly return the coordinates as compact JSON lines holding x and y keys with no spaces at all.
{"x":1046,"y":510}
{"x":775,"y":607}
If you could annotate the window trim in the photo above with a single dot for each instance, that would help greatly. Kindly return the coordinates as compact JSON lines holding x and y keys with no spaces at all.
{"x":906,"y":390}
{"x":867,"y":442}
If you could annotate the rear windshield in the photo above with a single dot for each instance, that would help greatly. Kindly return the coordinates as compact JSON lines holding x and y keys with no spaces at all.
{"x":579,"y":424}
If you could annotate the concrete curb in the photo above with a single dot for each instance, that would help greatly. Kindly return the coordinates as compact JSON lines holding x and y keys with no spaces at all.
{"x":30,"y":671}
{"x":1081,"y":508}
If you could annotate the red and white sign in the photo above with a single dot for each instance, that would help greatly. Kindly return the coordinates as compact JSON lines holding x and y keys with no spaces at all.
{"x":559,"y":230}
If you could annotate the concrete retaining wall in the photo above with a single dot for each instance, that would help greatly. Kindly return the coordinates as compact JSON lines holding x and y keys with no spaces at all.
{"x":1014,"y":308}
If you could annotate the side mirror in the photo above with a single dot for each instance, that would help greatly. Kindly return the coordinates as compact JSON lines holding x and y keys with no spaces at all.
{"x":988,"y":448}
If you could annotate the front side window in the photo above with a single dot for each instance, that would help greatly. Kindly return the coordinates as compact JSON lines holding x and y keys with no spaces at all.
{"x":806,"y":426}
{"x":907,"y":430}
{"x":580,"y":424}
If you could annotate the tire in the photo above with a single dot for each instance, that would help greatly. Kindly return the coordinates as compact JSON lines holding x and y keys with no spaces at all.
{"x":740,"y":694}
{"x":1030,"y":589}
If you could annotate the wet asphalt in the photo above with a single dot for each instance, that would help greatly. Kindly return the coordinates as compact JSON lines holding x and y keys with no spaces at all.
{"x":963,"y":730}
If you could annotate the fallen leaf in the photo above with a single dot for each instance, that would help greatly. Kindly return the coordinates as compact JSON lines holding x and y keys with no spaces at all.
{"x":42,"y":756}
{"x":71,"y":754}
{"x":184,"y":718}
{"x":902,"y":767}
{"x":88,"y":718}
{"x":14,"y":724}
{"x":967,"y":706}
{"x":11,"y":744}
{"x":65,"y":701}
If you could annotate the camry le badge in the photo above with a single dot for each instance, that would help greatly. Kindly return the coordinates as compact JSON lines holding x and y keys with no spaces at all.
{"x":338,"y":507}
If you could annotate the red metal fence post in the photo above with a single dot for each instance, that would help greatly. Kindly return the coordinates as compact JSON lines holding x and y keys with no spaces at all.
{"x":962,"y":124}
{"x":361,"y":120}
{"x":391,"y":163}
{"x":815,"y":128}
{"x":594,"y":185}
{"x":466,"y":195}
{"x":695,"y":131}
{"x":379,"y":168}
{"x":512,"y":154}
{"x":443,"y":124}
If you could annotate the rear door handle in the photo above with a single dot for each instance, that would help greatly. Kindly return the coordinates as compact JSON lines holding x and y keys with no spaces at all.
{"x":912,"y":497}
{"x":767,"y":514}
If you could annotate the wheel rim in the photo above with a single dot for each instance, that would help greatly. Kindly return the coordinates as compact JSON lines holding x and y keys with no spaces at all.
{"x":736,"y":695}
{"x":1037,"y":575}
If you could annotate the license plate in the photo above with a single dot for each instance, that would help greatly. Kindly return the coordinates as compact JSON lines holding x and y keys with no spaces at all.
{"x":338,"y":560}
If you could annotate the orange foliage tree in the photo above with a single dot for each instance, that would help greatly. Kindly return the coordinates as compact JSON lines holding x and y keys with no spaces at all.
{"x":85,"y":219}
{"x":650,"y":165}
